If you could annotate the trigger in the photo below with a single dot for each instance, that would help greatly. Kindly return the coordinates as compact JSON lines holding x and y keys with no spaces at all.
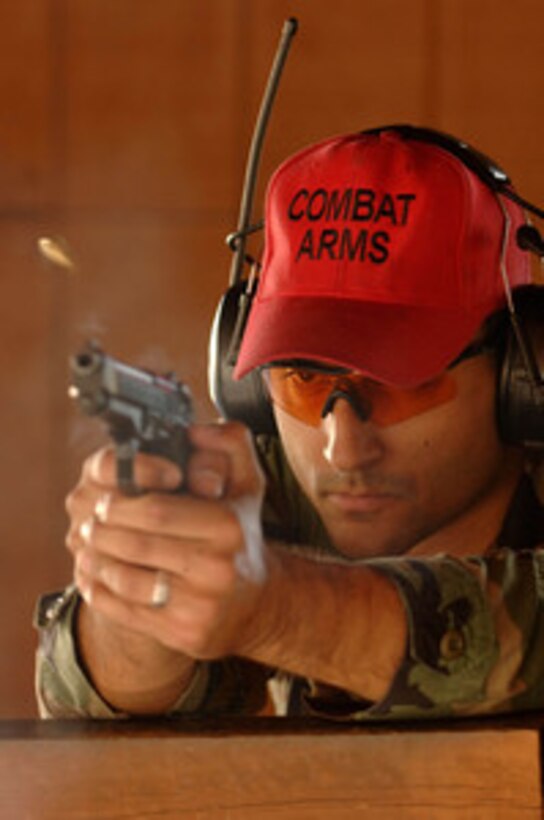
{"x":125,"y":452}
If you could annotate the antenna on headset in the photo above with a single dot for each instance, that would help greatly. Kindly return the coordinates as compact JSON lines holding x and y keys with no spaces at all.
{"x":237,"y":240}
{"x":244,"y":400}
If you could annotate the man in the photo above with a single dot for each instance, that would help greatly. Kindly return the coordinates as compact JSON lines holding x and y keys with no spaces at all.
{"x":378,"y":556}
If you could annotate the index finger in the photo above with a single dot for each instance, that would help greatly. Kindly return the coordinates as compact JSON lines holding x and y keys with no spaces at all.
{"x":150,"y":472}
{"x":234,"y":440}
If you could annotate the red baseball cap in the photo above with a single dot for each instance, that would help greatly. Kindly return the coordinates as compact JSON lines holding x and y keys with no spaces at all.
{"x":382,"y":255}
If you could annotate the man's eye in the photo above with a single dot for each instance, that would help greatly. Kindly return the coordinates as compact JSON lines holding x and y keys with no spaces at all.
{"x":429,"y":386}
{"x":301,"y":376}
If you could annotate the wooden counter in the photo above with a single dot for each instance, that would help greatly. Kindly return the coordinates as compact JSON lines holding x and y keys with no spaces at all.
{"x":269,"y":768}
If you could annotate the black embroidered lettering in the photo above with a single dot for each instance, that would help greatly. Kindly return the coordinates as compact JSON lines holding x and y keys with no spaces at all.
{"x":363,"y":204}
{"x":303,"y":193}
{"x":386,"y":210}
{"x":380,"y":250}
{"x":317,"y":204}
{"x":407,"y":200}
{"x":352,"y":244}
{"x":339,"y":204}
{"x":327,"y":242}
{"x":307,"y":245}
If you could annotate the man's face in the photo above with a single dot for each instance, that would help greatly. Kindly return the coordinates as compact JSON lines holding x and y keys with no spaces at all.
{"x":382,"y":489}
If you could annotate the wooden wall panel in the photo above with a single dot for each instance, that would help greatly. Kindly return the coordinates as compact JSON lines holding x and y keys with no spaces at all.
{"x":492,"y":83}
{"x":125,"y":128}
{"x":25,"y":85}
{"x":27,"y":471}
{"x":149,"y":104}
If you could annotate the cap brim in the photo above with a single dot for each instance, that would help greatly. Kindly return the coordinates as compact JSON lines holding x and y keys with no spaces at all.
{"x":396,"y":344}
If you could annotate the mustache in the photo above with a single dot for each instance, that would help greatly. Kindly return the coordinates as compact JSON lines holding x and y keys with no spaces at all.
{"x":360,"y":482}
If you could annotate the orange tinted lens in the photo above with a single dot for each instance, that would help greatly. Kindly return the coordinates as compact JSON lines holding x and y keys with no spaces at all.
{"x":303,"y":394}
{"x":391,"y":405}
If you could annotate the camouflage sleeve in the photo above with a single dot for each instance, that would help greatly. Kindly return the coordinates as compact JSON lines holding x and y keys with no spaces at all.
{"x":64,"y":690}
{"x":476,"y":628}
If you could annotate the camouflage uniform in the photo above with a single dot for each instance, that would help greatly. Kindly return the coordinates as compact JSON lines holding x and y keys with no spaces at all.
{"x":476,"y":628}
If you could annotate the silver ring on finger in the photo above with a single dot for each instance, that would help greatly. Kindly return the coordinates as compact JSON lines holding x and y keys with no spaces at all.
{"x":160,"y":594}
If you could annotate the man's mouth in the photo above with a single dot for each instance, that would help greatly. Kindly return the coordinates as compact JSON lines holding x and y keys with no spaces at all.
{"x":360,"y":502}
{"x":358,"y":494}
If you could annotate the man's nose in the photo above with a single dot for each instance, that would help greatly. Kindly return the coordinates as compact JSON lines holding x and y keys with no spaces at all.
{"x":351,"y":441}
{"x":361,"y":406}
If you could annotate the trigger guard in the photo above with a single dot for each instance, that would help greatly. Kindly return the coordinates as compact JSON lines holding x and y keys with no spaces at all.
{"x":125,"y":452}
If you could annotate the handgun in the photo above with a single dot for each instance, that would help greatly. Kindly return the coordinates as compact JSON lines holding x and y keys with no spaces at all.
{"x":144,"y":412}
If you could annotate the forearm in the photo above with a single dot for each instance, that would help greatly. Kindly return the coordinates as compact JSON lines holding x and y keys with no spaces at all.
{"x":341,"y":624}
{"x":133,"y":674}
{"x":473,"y":632}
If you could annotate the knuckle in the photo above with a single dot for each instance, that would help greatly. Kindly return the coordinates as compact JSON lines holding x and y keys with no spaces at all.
{"x":239,"y":432}
{"x":100,"y":467}
{"x":69,"y":503}
{"x":137,"y":547}
{"x":74,"y":499}
{"x":70,"y":540}
{"x":156,"y":510}
{"x":232,"y":532}
{"x":111,"y":575}
{"x":233,"y":433}
{"x":123,"y":545}
{"x":221,"y":577}
{"x":150,"y":471}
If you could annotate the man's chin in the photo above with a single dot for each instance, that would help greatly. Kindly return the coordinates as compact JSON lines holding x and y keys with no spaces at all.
{"x":370,"y":530}
{"x":366,"y":540}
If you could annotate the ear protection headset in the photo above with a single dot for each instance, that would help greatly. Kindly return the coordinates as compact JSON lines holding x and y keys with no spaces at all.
{"x":520,"y":394}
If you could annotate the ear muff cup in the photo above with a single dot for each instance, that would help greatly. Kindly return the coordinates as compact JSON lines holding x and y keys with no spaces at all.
{"x":244,"y":399}
{"x":520,"y":400}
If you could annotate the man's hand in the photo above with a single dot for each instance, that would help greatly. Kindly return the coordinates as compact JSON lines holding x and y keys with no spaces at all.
{"x":227,"y":592}
{"x":203,"y":547}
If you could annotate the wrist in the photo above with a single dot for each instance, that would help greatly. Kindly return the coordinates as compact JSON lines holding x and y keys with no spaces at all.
{"x":132,"y":672}
{"x":269,"y":615}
